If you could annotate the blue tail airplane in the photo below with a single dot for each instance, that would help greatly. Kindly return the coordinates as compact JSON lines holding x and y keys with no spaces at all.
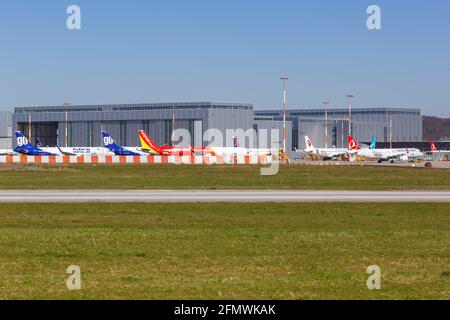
{"x":25,"y":147}
{"x":111,"y":145}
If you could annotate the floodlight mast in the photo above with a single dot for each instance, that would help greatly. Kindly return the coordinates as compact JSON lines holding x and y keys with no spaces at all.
{"x":284,"y":80}
{"x":350,"y":98}
{"x":326,"y":103}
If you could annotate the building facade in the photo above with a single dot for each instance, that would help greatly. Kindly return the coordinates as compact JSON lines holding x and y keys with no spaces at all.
{"x":211,"y":123}
{"x":5,"y":129}
{"x":82,"y":125}
{"x":387,"y":124}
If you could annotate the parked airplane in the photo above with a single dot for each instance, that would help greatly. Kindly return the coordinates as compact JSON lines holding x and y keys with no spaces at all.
{"x":381,"y":155}
{"x":112,"y":146}
{"x":78,"y":151}
{"x":149,"y":146}
{"x":238,"y":150}
{"x":325,"y":153}
{"x":26,"y":148}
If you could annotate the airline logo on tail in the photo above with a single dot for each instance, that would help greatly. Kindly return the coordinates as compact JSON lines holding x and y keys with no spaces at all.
{"x":108,"y":141}
{"x":25,"y":147}
{"x":111,"y":145}
{"x":352,"y":145}
{"x":433,"y":146}
{"x":22,"y":141}
{"x":148,"y":144}
{"x":308,"y":143}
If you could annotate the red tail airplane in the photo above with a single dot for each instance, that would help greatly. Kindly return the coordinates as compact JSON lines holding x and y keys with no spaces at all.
{"x":433,"y":146}
{"x":150,"y":146}
{"x":352,"y":144}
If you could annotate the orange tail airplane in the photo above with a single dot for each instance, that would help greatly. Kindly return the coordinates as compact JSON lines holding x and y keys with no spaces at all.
{"x":150,"y":146}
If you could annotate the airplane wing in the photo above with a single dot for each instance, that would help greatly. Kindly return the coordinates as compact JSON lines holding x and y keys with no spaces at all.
{"x":65,"y":153}
{"x":385,"y":155}
{"x":334,"y":153}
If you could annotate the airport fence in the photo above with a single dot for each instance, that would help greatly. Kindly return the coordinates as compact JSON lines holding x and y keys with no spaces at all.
{"x":89,"y":159}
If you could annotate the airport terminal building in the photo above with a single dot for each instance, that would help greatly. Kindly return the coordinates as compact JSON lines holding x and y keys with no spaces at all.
{"x":81,"y":125}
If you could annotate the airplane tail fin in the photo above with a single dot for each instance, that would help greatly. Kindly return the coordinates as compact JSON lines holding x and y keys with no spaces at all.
{"x":373,"y":145}
{"x":308,"y":143}
{"x":433,"y":146}
{"x":111,"y":145}
{"x":148,"y":144}
{"x":22,"y":141}
{"x":25,"y":147}
{"x":235,"y":142}
{"x":352,"y":144}
{"x":109,"y":142}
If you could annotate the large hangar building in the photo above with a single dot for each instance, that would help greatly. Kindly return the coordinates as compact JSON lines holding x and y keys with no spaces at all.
{"x":81,"y":125}
{"x":387,"y":124}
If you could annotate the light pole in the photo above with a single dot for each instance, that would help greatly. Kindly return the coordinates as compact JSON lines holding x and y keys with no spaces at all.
{"x":66,"y":125}
{"x":173,"y":126}
{"x":390,"y":132}
{"x":350,"y":97}
{"x":284,"y":80}
{"x":326,"y":103}
{"x":29,"y":124}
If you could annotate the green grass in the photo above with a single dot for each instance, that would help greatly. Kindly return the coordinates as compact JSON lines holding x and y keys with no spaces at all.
{"x":225,"y":251}
{"x":222,"y":177}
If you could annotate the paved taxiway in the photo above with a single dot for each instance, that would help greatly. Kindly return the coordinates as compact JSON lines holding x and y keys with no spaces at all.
{"x":249,"y":196}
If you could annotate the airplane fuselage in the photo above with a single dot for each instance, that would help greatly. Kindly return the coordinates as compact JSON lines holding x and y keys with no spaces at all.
{"x":233,"y":151}
{"x":390,"y":154}
{"x":327,"y":152}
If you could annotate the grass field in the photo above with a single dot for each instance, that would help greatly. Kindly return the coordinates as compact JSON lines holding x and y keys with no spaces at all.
{"x":225,"y":251}
{"x":222,"y":177}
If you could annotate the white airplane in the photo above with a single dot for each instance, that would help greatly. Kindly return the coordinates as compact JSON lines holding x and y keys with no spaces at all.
{"x":26,"y":148}
{"x":77,"y":151}
{"x":325,"y":153}
{"x":253,"y":151}
{"x":381,"y":155}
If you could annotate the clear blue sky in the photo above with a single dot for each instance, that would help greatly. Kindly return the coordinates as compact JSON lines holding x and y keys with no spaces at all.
{"x":226,"y":50}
